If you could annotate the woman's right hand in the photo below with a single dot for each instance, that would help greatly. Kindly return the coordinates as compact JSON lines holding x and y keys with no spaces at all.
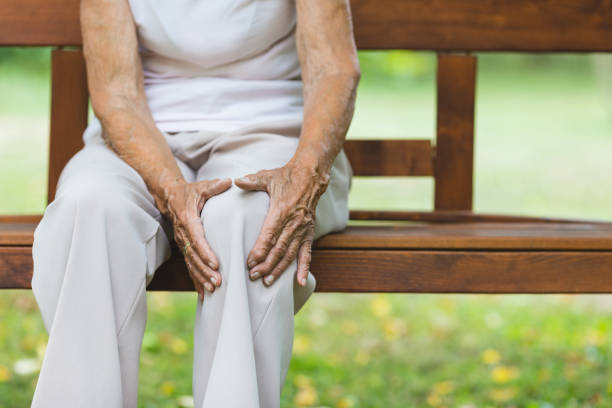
{"x":183,"y":205}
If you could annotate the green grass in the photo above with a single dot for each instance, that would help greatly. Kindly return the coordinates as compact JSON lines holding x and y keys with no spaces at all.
{"x":543,"y":144}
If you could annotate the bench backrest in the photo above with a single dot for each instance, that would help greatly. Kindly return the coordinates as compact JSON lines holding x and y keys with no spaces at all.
{"x":453,"y":28}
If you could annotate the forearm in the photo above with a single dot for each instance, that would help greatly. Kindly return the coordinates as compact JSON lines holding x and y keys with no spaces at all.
{"x":329,"y":106}
{"x":116,"y":87}
{"x":133,"y":135}
{"x":330,"y":76}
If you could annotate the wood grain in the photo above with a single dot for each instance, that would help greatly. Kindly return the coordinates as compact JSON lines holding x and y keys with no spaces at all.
{"x":69,"y":103}
{"x":453,"y":216}
{"x":417,"y":271}
{"x":444,"y":25}
{"x":15,"y":267}
{"x":536,"y":236}
{"x":462,"y":271}
{"x":390,"y":157}
{"x":456,"y":78}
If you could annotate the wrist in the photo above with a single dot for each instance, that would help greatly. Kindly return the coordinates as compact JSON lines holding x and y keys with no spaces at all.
{"x":312,"y":161}
{"x":168,"y":191}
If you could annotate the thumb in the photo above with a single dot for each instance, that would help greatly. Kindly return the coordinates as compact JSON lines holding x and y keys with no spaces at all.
{"x":209,"y":188}
{"x":218,"y":186}
{"x":252,"y":182}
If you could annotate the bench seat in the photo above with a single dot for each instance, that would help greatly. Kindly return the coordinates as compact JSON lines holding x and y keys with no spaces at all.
{"x":398,"y":256}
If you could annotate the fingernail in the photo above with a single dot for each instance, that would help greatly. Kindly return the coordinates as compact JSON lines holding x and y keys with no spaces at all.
{"x":214,"y":281}
{"x":212,"y":264}
{"x":269,"y":279}
{"x":251,"y":263}
{"x":303,"y":282}
{"x":209,"y":287}
{"x":255,"y":275}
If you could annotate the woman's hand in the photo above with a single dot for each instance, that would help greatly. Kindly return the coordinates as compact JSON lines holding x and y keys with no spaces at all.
{"x":183,"y":206}
{"x":288,"y":228}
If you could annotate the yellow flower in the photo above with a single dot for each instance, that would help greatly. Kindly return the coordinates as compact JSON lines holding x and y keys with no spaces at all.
{"x":346,"y":402}
{"x":41,"y":347}
{"x":5,"y":374}
{"x":302,"y":381}
{"x":595,"y":338}
{"x":306,"y":397}
{"x":443,"y":387}
{"x":27,"y":343}
{"x":503,"y":374}
{"x":434,"y":399}
{"x":362,"y":357}
{"x":490,"y":356}
{"x":380,"y":306}
{"x":178,"y":346}
{"x":393,"y":328}
{"x":349,"y":327}
{"x":503,"y":394}
{"x":301,"y":344}
{"x":167,"y":388}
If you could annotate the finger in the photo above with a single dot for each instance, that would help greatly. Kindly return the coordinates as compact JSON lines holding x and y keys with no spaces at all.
{"x":209,"y":276}
{"x":195,"y":231}
{"x":196,"y":283}
{"x":256,"y":181}
{"x":278,"y":251}
{"x":304,"y":259}
{"x":270,"y":230}
{"x":284,"y":262}
{"x":211,"y":189}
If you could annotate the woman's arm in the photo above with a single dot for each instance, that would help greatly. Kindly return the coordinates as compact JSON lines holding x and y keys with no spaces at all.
{"x":330,"y":75}
{"x":116,"y":87}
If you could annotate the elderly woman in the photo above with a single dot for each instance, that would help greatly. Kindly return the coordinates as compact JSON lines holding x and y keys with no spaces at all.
{"x":218,"y":124}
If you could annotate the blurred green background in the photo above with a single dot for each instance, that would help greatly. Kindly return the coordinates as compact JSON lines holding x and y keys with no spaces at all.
{"x":543,"y":147}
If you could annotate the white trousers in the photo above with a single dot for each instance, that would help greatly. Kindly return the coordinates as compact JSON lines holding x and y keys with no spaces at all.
{"x":101,"y":240}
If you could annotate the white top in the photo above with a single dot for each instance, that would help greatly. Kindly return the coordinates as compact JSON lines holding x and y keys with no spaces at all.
{"x":219,"y":64}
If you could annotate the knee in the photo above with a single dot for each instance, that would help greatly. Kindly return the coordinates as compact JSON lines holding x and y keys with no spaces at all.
{"x":235,"y":211}
{"x":92,"y":198}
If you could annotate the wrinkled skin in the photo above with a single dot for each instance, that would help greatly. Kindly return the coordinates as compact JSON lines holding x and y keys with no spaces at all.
{"x":288,"y":228}
{"x":330,"y":75}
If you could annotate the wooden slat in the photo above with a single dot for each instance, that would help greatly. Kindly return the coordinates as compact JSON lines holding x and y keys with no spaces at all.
{"x":40,"y":22}
{"x":454,"y":164}
{"x":472,"y":236}
{"x":536,"y":236}
{"x":415,"y":271}
{"x":462,"y":272}
{"x":484,"y":25}
{"x":390,"y":157}
{"x":445,"y":25}
{"x":26,"y":218}
{"x":69,"y":98}
{"x":452,"y":216}
{"x":15,"y":267}
{"x":17,"y":233}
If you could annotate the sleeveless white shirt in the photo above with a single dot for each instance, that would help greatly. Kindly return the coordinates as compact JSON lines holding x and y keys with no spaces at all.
{"x":219,"y":65}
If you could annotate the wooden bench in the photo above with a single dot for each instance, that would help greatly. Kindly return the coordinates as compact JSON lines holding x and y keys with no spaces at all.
{"x":450,"y":249}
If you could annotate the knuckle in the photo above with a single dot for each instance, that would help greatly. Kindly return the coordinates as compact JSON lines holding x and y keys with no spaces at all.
{"x":259,"y":253}
{"x":269,"y":238}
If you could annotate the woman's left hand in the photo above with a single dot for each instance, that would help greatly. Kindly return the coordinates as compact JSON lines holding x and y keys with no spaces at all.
{"x":288,"y":228}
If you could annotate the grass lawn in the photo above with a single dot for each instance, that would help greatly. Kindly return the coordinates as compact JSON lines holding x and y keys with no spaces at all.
{"x":543,"y":147}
